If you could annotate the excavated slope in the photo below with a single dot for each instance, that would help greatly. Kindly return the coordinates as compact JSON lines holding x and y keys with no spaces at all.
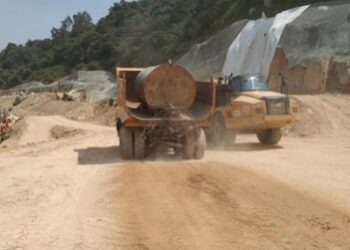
{"x":313,"y":53}
{"x":208,"y":58}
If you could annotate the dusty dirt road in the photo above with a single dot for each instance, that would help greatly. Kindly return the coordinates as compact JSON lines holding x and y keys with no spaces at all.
{"x":76,"y":193}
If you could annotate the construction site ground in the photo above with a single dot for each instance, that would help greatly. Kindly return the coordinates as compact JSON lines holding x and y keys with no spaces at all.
{"x":64,"y":186}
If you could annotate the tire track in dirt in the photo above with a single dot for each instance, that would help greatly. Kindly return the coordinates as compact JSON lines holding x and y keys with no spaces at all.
{"x":77,"y":194}
{"x":49,"y":200}
{"x":216,"y":206}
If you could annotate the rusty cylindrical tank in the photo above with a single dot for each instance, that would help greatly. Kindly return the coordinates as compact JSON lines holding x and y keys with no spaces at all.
{"x":164,"y":86}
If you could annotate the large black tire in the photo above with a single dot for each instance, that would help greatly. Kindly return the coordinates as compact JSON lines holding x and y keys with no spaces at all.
{"x":219,"y":134}
{"x":200,"y":146}
{"x":140,"y":144}
{"x":270,"y":136}
{"x":126,"y":143}
{"x":188,"y":146}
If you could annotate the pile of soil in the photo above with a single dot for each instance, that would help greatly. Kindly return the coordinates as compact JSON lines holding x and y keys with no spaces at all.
{"x":60,"y":132}
{"x":6,"y":102}
{"x":17,"y":129}
{"x":47,"y":104}
{"x":105,"y":112}
{"x":325,"y":115}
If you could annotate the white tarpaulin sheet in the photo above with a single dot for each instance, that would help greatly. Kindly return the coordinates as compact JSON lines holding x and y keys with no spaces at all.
{"x":254,"y":48}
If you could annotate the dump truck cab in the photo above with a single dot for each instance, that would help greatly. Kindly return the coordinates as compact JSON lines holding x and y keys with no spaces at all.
{"x":244,"y":104}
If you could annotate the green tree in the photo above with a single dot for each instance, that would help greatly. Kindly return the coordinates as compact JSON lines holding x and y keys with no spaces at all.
{"x":136,"y":33}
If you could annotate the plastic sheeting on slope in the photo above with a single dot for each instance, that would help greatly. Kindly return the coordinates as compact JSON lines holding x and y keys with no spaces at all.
{"x":253,"y":49}
{"x":207,"y":59}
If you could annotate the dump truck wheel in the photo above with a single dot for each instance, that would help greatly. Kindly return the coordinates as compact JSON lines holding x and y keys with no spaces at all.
{"x":126,"y":143}
{"x":270,"y":136}
{"x":219,"y":134}
{"x":188,"y":146}
{"x":200,"y":146}
{"x":139,"y":144}
{"x":217,"y":129}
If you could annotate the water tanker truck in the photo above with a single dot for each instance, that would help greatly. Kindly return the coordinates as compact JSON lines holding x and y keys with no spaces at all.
{"x":162,"y":108}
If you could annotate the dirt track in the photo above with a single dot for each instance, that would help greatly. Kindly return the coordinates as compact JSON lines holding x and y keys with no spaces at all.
{"x":77,"y":194}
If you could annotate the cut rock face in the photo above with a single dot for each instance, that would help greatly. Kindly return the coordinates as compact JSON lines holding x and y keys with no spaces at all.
{"x":338,"y":76}
{"x":313,"y":53}
{"x":318,"y":45}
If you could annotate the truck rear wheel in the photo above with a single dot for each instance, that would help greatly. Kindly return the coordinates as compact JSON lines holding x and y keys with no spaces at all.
{"x":126,"y":143}
{"x":270,"y":136}
{"x":219,"y":134}
{"x":200,"y":146}
{"x":188,"y":146}
{"x":139,"y":144}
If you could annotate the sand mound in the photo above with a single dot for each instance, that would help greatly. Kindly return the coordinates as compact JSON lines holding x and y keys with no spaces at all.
{"x":6,"y":102}
{"x":59,"y":132}
{"x":39,"y":129}
{"x":105,"y":112}
{"x":47,"y":104}
{"x":17,"y":130}
{"x":322,"y":115}
{"x":326,"y":115}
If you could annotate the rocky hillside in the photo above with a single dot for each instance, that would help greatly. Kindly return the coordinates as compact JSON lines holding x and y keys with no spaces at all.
{"x":134,"y":33}
{"x":312,"y":53}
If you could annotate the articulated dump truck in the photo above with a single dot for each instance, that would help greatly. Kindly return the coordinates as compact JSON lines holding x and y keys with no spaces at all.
{"x":162,"y":108}
{"x":245,"y":105}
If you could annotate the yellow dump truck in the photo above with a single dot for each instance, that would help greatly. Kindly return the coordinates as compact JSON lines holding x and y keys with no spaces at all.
{"x":245,"y":105}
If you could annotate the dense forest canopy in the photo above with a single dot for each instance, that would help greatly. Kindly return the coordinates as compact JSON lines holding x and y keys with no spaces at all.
{"x":137,"y":33}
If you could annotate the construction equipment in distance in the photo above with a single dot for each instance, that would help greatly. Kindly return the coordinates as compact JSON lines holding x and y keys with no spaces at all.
{"x":162,"y":108}
{"x":244,"y":105}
